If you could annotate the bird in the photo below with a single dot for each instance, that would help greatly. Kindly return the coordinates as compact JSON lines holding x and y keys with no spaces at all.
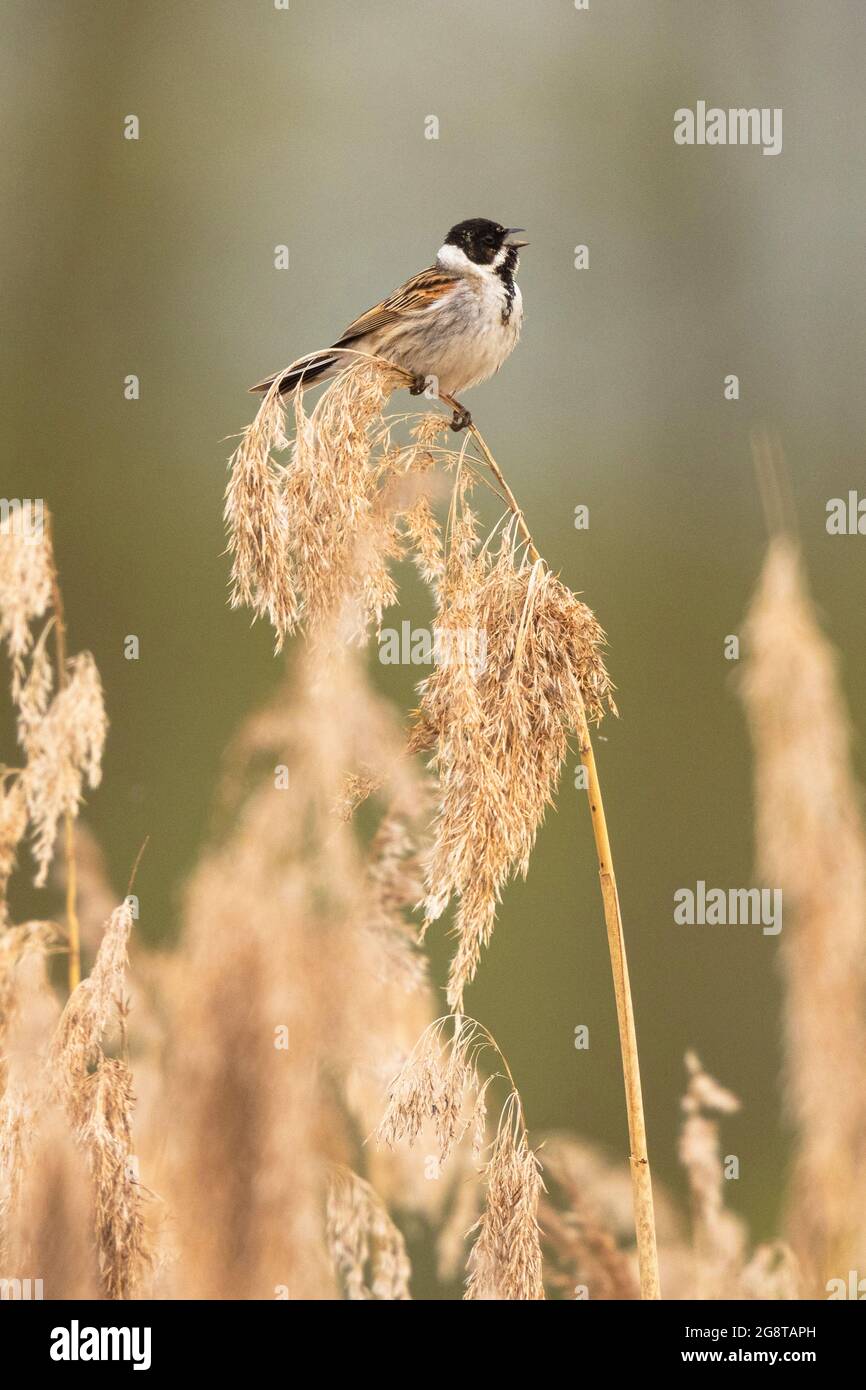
{"x":450,"y":326}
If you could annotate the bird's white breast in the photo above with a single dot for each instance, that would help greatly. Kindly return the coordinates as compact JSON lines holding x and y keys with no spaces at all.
{"x":462,"y":339}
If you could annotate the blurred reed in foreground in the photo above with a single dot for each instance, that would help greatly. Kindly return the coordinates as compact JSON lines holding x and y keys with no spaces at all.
{"x":811,"y":843}
{"x":296,"y":987}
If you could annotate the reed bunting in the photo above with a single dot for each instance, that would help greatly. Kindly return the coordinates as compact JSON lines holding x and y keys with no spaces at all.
{"x":451,"y":326}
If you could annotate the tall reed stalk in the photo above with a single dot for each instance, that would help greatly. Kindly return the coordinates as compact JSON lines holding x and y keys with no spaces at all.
{"x":317,"y":536}
{"x":641,"y":1178}
{"x":71,"y":870}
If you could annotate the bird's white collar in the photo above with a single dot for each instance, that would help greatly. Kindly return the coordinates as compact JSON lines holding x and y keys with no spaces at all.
{"x":456,"y":262}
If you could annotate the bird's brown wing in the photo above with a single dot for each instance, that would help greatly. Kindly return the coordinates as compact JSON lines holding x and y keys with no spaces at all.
{"x":415,"y":295}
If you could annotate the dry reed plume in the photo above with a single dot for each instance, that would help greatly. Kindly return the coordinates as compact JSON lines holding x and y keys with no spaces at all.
{"x":60,"y":717}
{"x":520,"y":656}
{"x":367,"y":1249}
{"x":811,"y":843}
{"x":440,"y":1085}
{"x":96,"y":1090}
{"x":505,"y":1261}
{"x":313,"y":538}
{"x":63,"y":1099}
{"x":497,"y":722}
{"x":61,"y":1093}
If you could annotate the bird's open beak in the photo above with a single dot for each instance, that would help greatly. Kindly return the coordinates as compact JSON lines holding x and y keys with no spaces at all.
{"x":509,"y":231}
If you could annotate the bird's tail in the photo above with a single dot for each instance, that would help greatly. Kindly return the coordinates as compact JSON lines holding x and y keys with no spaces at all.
{"x":317,"y":367}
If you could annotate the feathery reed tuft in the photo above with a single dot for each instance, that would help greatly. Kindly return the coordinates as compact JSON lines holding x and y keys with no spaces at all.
{"x":97,"y":1093}
{"x":62,"y":738}
{"x":505,"y":1261}
{"x":522,"y":659}
{"x":368,"y":1251}
{"x":440,"y":1084}
{"x":257,"y":521}
{"x":64,"y":751}
{"x":25,"y":595}
{"x":312,"y":539}
{"x":61,"y":728}
{"x":13,"y":826}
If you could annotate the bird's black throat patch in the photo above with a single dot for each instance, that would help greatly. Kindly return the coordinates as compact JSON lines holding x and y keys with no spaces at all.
{"x":506,"y":275}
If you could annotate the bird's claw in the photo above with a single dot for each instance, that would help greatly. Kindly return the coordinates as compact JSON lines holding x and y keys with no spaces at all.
{"x":461,"y":420}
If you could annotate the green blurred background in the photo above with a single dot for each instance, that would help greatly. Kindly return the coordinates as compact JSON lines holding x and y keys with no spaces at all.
{"x":306,"y":127}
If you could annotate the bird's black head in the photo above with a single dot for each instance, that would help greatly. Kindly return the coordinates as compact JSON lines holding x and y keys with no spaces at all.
{"x":481,"y":240}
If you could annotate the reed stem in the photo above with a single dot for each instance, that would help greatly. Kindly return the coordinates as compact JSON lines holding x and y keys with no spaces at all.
{"x":72,"y":924}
